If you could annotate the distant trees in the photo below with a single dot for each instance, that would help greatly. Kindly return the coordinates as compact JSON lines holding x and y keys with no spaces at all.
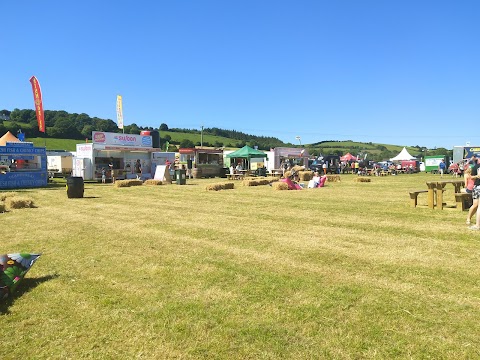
{"x":186,"y":143}
{"x":163,"y":127}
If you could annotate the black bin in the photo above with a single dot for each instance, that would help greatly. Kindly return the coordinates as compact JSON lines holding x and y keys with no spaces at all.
{"x":180,"y":176}
{"x":262,"y":171}
{"x":75,"y":187}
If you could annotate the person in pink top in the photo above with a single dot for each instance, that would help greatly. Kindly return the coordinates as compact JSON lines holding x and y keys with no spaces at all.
{"x":469,"y":183}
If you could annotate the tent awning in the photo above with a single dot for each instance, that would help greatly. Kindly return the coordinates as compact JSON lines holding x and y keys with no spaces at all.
{"x":246,"y":152}
{"x":8,"y":137}
{"x":403,"y":155}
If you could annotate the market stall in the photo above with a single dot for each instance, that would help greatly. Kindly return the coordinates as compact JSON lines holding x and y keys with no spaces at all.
{"x":202,"y":162}
{"x":116,"y":153}
{"x":22,"y":165}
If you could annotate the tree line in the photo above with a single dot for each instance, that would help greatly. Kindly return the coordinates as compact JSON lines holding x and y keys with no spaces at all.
{"x":63,"y":125}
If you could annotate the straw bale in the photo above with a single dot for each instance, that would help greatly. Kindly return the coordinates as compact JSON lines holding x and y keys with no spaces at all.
{"x":152,"y":182}
{"x":305,"y":175}
{"x":279,"y":186}
{"x":5,"y":195}
{"x":2,"y":208}
{"x":17,"y":202}
{"x":127,"y":183}
{"x":333,"y":178}
{"x":257,"y":182}
{"x":219,"y":186}
{"x":362,"y":179}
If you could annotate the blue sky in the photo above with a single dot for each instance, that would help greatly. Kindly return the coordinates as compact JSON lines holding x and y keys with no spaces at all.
{"x":396,"y":72}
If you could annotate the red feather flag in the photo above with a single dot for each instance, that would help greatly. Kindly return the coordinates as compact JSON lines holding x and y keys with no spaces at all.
{"x":37,"y":97}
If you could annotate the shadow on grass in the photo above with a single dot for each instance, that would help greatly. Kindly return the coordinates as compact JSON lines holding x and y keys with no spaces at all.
{"x":87,"y":197}
{"x":26,"y":285}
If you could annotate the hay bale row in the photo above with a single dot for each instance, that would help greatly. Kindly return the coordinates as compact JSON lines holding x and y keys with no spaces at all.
{"x":5,"y":195}
{"x":152,"y":182}
{"x":127,"y":183}
{"x":362,"y":179}
{"x":17,"y":202}
{"x":333,"y":178}
{"x":219,"y":186}
{"x":279,"y":186}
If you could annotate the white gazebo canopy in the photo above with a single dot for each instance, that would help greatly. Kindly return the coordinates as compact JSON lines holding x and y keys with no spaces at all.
{"x":403,"y":155}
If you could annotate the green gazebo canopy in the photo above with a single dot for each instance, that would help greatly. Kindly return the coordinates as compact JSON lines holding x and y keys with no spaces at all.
{"x":247,"y":152}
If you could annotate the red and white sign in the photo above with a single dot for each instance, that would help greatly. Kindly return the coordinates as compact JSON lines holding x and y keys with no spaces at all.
{"x":136,"y":140}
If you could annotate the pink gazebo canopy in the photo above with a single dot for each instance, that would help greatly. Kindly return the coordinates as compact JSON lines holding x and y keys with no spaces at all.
{"x":348,"y":157}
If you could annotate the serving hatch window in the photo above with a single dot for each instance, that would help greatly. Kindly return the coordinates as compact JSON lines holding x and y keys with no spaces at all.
{"x":208,"y":158}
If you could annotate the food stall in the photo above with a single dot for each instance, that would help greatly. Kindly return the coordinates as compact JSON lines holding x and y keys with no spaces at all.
{"x":202,"y":162}
{"x":22,"y":166}
{"x":295,"y":156}
{"x":116,"y":153}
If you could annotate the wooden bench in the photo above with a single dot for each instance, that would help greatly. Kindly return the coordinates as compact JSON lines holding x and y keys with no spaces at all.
{"x":414,"y":195}
{"x":463,"y":200}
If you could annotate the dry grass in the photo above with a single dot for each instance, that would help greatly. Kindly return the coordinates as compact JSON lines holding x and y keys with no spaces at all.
{"x":176,"y":272}
{"x":18,"y":202}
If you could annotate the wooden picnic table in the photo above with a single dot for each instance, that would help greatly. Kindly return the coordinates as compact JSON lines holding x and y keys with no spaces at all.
{"x":275,"y":172}
{"x":235,"y":176}
{"x":436,"y":189}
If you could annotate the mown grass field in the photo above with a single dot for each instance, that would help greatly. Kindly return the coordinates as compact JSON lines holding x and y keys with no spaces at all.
{"x":175,"y":272}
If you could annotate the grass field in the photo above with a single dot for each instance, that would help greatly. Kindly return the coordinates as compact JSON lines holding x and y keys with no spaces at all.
{"x":176,"y":272}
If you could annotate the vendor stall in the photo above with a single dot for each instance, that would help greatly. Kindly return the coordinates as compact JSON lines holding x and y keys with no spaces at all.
{"x":22,"y":166}
{"x":202,"y":162}
{"x":116,"y":153}
{"x":294,"y":156}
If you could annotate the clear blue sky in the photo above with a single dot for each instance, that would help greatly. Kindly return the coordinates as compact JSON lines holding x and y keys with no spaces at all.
{"x":397,"y":72}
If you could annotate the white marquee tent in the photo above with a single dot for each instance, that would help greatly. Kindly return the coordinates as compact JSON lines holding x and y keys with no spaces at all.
{"x":403,"y":155}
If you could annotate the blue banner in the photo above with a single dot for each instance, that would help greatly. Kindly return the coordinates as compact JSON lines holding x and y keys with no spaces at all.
{"x":16,"y":180}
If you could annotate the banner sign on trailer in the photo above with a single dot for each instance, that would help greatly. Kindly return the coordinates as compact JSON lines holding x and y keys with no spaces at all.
{"x":37,"y":97}
{"x":107,"y":138}
{"x":119,"y":112}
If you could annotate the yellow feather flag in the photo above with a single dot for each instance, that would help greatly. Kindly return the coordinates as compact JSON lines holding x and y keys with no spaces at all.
{"x":119,"y":112}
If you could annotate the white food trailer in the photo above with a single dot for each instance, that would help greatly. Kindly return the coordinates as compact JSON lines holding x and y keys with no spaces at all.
{"x":121,"y":150}
{"x":59,"y":163}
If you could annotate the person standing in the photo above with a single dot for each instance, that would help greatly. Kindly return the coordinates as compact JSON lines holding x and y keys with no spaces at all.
{"x":104,"y":175}
{"x":469,"y":184}
{"x":324,"y":168}
{"x":475,"y":196}
{"x":441,"y":167}
{"x":112,"y":172}
{"x":138,"y":169}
